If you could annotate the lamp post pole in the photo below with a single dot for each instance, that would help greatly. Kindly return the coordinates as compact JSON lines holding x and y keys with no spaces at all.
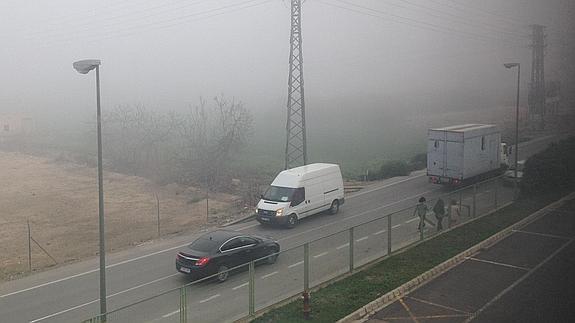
{"x":101,"y":201}
{"x":517,"y":125}
{"x":84,"y":67}
{"x":511,"y":65}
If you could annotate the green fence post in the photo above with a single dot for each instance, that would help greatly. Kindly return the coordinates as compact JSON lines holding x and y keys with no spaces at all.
{"x":351,"y":249}
{"x":252,"y":288}
{"x":496,"y":191}
{"x":474,"y":199}
{"x":389,"y":235}
{"x":183,"y":305}
{"x":306,"y":267}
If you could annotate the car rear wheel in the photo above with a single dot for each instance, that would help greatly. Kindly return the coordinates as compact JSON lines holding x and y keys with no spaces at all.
{"x":223,"y":273}
{"x":334,"y":208}
{"x":291,"y":221}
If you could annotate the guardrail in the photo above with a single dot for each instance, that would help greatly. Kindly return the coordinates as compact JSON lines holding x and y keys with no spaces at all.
{"x":311,"y":264}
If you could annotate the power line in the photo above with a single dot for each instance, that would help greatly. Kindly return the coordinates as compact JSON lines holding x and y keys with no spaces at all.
{"x":168,"y":23}
{"x":462,"y":20}
{"x":415,"y":23}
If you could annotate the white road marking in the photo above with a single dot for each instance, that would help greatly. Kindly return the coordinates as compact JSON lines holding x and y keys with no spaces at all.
{"x":414,"y":219}
{"x":517,"y":282}
{"x":91,"y":271}
{"x":64,"y":311}
{"x":107,"y":297}
{"x":357,"y":215}
{"x":240,"y":286}
{"x":170,"y":314}
{"x":242,"y":228}
{"x":379,"y":232}
{"x":342,"y":246}
{"x":269,"y":275}
{"x":396,"y":226}
{"x":496,"y":263}
{"x":361,"y":239}
{"x":247,"y":227}
{"x":209,"y":298}
{"x":321,"y":254}
{"x":296,"y":264}
{"x":386,"y":186}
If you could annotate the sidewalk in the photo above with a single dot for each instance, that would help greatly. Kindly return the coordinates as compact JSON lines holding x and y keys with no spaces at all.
{"x":525,"y":277}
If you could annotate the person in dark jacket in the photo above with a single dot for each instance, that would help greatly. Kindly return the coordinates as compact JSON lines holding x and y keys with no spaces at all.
{"x":439,"y":211}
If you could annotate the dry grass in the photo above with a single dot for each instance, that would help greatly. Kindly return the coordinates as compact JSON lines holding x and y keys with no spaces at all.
{"x":61,"y":203}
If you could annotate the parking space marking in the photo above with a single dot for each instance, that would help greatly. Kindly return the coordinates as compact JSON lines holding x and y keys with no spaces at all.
{"x":361,"y":239}
{"x":296,"y":264}
{"x":321,"y":254}
{"x":170,"y":314}
{"x":396,"y":226}
{"x":517,"y":282}
{"x":209,"y":298}
{"x":408,"y":310}
{"x":438,"y":305}
{"x":542,"y":234}
{"x":379,"y":232}
{"x":342,"y":246}
{"x":414,"y":219}
{"x":497,"y":263}
{"x":240,"y":286}
{"x":269,"y":275}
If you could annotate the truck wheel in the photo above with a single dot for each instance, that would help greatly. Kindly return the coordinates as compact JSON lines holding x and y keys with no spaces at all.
{"x":291,"y":221}
{"x":334,"y":208}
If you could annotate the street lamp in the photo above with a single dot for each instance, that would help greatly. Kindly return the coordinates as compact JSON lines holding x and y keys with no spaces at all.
{"x":84,"y":67}
{"x":511,"y":65}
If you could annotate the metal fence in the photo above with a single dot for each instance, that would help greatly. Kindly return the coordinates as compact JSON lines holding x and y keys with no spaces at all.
{"x":308,"y":265}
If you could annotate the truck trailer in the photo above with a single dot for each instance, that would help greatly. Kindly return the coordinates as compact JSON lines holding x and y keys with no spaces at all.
{"x":464,"y":152}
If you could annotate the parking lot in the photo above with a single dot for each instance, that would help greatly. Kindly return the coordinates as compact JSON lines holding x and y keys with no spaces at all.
{"x":525,"y":277}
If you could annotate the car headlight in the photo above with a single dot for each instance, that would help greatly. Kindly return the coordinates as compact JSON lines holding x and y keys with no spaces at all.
{"x":280,"y":212}
{"x":256,"y":211}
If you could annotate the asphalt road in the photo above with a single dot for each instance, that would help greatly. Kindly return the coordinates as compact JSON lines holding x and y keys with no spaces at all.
{"x":70,"y":293}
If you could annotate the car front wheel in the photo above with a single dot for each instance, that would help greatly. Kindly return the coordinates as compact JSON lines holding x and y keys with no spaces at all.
{"x":271,"y":259}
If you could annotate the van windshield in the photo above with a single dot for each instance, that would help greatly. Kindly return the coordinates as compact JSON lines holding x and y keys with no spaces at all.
{"x":279,"y":194}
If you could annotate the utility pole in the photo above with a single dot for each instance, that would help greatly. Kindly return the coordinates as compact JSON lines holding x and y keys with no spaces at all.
{"x":537,"y":88}
{"x":296,"y":149}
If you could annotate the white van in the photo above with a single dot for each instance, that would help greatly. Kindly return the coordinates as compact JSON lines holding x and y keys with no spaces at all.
{"x":299,"y":192}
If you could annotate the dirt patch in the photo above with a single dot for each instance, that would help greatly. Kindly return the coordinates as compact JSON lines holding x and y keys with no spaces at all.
{"x":60,"y":201}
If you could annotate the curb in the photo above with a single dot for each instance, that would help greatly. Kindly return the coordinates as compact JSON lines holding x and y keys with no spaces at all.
{"x":363,"y":313}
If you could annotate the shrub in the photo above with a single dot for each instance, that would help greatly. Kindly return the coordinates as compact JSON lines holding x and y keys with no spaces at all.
{"x":552,"y":170}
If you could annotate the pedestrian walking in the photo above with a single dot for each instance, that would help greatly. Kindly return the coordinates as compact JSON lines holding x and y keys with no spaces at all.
{"x":454,"y":213}
{"x":421,"y":211}
{"x":439,"y":211}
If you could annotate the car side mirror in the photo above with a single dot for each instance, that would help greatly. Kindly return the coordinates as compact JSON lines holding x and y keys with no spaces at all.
{"x":261,"y":196}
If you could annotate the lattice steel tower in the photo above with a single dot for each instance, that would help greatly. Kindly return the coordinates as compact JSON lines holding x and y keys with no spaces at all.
{"x":296,"y":150}
{"x":536,"y":99}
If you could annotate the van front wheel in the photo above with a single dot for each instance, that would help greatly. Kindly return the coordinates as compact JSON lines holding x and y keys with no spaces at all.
{"x":291,"y":221}
{"x":334,"y":208}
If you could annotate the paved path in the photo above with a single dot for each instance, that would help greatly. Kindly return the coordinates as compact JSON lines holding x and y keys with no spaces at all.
{"x":526,"y":277}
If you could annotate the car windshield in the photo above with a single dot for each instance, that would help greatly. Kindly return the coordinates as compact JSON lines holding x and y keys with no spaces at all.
{"x":279,"y":194}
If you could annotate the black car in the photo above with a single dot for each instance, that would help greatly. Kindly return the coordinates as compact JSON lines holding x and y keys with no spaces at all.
{"x":219,"y":251}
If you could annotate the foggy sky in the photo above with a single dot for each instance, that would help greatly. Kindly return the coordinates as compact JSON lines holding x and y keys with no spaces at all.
{"x":167,"y":53}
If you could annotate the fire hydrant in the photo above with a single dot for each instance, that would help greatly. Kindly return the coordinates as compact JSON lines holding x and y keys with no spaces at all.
{"x":306,"y":305}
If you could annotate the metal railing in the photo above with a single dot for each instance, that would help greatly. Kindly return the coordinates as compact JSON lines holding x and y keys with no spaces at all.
{"x":310,"y":264}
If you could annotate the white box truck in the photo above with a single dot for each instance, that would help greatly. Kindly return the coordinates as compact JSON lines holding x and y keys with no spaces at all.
{"x":459,"y":153}
{"x":300,"y":192}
